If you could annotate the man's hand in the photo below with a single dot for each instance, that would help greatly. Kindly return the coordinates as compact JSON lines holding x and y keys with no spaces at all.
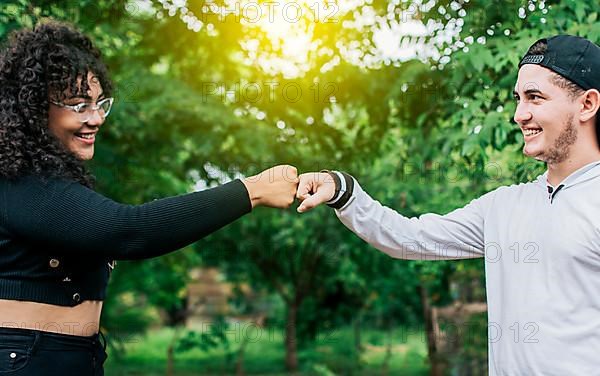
{"x":314,"y":189}
{"x":275,"y":187}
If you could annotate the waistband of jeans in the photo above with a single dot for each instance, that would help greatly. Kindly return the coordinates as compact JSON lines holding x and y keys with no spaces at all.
{"x":49,"y":340}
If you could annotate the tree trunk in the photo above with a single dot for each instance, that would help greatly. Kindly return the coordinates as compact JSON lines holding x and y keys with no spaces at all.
{"x":239,"y":364}
{"x":437,"y":364}
{"x":171,"y":353}
{"x":170,"y":361}
{"x":358,"y":347}
{"x":385,"y":367}
{"x":171,"y":350}
{"x":291,"y":350}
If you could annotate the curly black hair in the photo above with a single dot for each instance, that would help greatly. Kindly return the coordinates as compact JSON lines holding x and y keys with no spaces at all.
{"x":38,"y":65}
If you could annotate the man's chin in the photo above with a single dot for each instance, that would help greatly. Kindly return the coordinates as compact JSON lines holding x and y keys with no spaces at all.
{"x":535,"y":155}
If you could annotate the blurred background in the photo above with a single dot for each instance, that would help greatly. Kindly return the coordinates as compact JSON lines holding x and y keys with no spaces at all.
{"x":413,"y":98}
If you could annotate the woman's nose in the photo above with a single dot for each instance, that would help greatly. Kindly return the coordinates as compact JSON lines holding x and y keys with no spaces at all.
{"x":95,"y":118}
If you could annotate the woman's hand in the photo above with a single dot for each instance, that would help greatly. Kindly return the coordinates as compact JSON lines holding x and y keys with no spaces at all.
{"x":275,"y":187}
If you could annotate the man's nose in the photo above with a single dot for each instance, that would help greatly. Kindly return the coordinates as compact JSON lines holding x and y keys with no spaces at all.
{"x":522,"y":113}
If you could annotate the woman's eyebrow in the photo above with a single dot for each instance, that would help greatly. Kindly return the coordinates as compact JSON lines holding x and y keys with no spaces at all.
{"x":83,"y":97}
{"x":76,"y":98}
{"x":100,"y":96}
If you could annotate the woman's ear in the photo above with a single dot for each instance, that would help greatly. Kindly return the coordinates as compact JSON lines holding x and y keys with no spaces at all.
{"x":590,"y":103}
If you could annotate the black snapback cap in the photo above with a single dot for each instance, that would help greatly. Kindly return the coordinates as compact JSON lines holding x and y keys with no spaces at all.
{"x":575,"y":58}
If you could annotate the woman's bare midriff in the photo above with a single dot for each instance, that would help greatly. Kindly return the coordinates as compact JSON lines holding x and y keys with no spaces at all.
{"x":81,"y":320}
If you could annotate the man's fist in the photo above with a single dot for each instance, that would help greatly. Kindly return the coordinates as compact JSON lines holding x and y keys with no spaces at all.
{"x":314,"y":189}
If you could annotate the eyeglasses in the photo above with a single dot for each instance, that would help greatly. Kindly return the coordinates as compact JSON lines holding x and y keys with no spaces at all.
{"x":85,"y":110}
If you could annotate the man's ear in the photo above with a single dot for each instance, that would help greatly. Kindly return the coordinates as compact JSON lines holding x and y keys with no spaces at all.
{"x":590,"y":104}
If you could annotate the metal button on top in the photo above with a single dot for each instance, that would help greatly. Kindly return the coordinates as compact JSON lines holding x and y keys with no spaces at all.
{"x":76,"y":297}
{"x":13,"y":355}
{"x":54,"y":263}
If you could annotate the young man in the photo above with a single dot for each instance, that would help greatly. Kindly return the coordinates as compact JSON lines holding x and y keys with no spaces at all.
{"x":544,"y":305}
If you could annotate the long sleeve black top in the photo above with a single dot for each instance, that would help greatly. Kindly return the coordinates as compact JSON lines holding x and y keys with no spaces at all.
{"x":58,"y":237}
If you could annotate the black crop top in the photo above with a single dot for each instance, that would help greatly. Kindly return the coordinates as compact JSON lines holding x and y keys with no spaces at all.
{"x":58,"y":238}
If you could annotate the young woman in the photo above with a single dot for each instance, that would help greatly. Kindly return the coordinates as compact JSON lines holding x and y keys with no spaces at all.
{"x":58,"y":237}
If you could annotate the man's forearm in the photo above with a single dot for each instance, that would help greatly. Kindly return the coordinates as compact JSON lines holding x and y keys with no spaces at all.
{"x":429,"y":237}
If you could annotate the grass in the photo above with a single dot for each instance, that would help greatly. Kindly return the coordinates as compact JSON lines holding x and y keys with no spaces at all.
{"x":331,"y":355}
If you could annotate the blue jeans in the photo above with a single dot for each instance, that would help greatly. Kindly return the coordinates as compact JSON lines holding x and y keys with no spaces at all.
{"x":26,"y":352}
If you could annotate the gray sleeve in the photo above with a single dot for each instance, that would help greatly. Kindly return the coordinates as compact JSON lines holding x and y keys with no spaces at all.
{"x":456,"y":235}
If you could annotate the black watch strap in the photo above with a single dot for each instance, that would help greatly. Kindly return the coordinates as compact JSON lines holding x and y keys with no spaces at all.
{"x":347,"y":194}
{"x":337,"y":182}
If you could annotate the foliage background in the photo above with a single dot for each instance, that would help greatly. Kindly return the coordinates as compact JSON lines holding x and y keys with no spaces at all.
{"x":421,"y":117}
